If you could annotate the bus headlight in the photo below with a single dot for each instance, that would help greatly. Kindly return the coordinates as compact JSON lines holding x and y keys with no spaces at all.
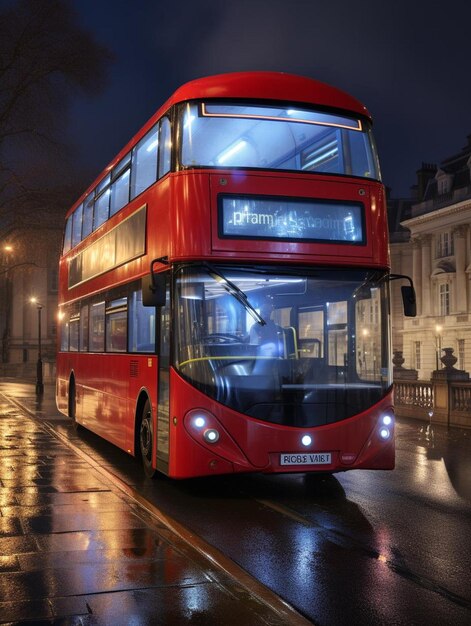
{"x":306,"y":440}
{"x":203,"y":426}
{"x":199,"y":421}
{"x":386,"y":426}
{"x":211,"y":435}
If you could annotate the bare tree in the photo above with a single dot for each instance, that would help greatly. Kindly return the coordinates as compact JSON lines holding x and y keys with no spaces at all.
{"x":46,"y":58}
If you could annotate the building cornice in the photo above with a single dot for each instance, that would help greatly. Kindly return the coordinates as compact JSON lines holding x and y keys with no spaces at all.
{"x":415,"y":223}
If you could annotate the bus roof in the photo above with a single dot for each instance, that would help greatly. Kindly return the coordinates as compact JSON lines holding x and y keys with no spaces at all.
{"x":268,"y":86}
{"x":276,"y":86}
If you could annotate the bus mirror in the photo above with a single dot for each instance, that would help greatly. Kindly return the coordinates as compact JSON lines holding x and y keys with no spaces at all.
{"x":408,"y":301}
{"x":408,"y":295}
{"x":153,"y":289}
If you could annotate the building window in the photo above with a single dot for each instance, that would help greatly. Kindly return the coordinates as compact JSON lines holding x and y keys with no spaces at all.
{"x":53,"y":280}
{"x":444,"y":295}
{"x":417,"y":354}
{"x":461,"y":354}
{"x":443,"y":186}
{"x":444,"y":245}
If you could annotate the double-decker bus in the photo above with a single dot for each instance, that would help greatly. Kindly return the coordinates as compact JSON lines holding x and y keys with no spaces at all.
{"x":224,"y":286}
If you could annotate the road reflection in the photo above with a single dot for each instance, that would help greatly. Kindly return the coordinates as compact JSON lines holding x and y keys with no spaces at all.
{"x":448,"y":445}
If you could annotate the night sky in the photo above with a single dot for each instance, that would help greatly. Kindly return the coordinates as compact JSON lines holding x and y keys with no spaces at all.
{"x":408,"y":62}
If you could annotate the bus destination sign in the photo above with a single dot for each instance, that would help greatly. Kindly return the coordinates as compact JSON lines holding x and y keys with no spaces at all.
{"x":257,"y":217}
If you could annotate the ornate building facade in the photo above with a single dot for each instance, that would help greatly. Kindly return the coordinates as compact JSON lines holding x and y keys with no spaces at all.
{"x":29,"y":259}
{"x":437,"y":254}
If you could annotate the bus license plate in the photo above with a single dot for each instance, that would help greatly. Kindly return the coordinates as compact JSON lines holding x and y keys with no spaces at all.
{"x":310,"y":458}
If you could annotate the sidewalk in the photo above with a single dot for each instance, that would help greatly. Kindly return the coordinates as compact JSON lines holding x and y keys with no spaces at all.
{"x":75,"y":549}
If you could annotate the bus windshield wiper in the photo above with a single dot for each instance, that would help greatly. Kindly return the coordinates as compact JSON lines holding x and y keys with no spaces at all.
{"x":235,"y":291}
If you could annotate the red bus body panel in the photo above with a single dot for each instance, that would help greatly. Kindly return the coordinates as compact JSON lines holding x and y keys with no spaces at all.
{"x":182,"y":225}
{"x":249,"y":445}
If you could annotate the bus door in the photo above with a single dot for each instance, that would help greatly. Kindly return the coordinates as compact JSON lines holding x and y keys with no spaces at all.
{"x":163,"y":380}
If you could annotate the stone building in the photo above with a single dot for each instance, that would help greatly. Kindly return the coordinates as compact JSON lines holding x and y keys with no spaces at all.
{"x":436,"y":251}
{"x":29,"y":257}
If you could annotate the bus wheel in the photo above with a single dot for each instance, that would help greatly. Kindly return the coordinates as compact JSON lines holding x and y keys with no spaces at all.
{"x":146,"y":440}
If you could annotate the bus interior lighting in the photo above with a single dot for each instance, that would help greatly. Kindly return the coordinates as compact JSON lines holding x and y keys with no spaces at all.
{"x":230,"y":152}
{"x":263,"y":113}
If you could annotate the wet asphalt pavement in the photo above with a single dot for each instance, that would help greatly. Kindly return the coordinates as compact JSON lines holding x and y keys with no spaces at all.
{"x":356,"y":548}
{"x":77,"y":549}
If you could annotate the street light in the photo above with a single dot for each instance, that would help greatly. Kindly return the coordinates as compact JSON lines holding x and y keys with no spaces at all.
{"x":6,"y":304}
{"x":39,"y":365}
{"x":438,"y":344}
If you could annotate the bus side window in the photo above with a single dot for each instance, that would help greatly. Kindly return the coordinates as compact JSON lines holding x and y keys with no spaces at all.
{"x":144,"y":162}
{"x":68,"y":234}
{"x":141,"y":324}
{"x":77,"y":225}
{"x":120,"y":176}
{"x":116,"y":325}
{"x":88,"y":208}
{"x":83,"y":347}
{"x":165,"y":146}
{"x":97,"y":327}
{"x":64,"y":330}
{"x":74,"y":333}
{"x":102,"y":202}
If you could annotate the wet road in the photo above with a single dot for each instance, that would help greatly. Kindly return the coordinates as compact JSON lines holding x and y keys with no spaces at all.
{"x":356,"y":548}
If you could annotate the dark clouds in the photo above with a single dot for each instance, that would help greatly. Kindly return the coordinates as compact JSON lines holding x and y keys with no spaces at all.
{"x":408,"y":62}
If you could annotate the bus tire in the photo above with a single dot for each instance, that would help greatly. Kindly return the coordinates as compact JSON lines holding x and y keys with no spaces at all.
{"x":146,"y":440}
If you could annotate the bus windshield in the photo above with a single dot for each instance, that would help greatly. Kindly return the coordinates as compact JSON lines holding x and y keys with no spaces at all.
{"x":318,"y":354}
{"x":255,"y":136}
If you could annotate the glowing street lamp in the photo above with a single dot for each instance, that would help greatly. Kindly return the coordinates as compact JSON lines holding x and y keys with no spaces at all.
{"x":5,"y":268}
{"x":39,"y":365}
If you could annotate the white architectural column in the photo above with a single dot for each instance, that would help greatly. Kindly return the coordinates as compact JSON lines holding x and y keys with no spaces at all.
{"x":417,"y":272}
{"x":426,"y":241}
{"x":459,"y":236}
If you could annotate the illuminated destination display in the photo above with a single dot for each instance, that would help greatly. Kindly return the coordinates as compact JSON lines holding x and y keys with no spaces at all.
{"x":285,"y":218}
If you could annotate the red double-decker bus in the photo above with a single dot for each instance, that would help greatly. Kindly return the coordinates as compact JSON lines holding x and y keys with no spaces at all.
{"x":224,"y":286}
